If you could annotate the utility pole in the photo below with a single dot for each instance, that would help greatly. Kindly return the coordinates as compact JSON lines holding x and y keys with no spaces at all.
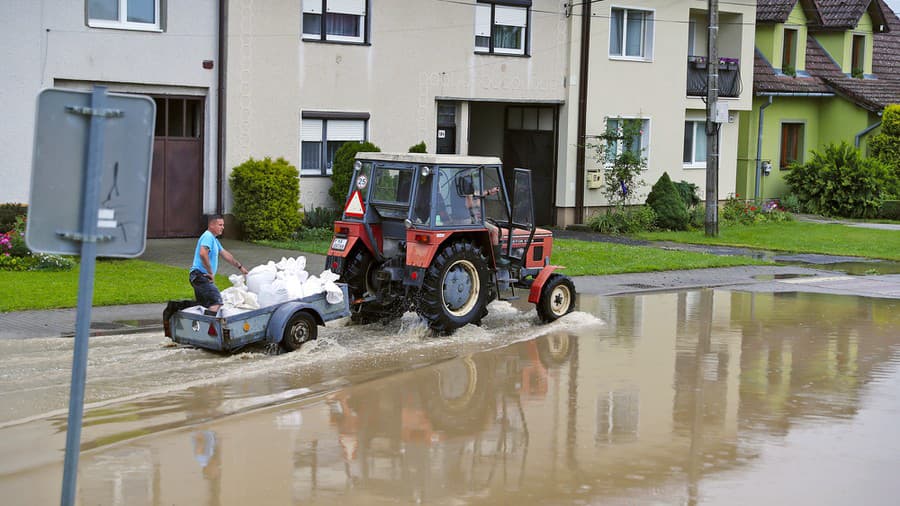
{"x":711,"y":223}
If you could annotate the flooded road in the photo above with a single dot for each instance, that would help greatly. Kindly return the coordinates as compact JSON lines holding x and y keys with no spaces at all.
{"x":697,"y":397}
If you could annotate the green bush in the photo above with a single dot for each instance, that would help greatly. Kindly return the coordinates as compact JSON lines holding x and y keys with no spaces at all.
{"x":628,"y":220}
{"x":791,"y":203}
{"x":744,"y":212}
{"x":418,"y":148}
{"x":886,"y":145}
{"x":890,"y":210}
{"x":8,"y":214}
{"x":666,"y":201}
{"x":688,"y":193}
{"x":840,"y":182}
{"x":266,"y":198}
{"x":320,"y":217}
{"x":342,"y":169}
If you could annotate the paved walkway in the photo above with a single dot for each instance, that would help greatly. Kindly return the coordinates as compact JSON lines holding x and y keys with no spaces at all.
{"x":178,"y":253}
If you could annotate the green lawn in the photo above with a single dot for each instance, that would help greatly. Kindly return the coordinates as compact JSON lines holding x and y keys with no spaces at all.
{"x":317,"y":246}
{"x":116,"y":282}
{"x":796,"y":237}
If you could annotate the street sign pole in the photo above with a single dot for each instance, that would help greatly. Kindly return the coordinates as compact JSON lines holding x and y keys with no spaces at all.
{"x":88,"y":238}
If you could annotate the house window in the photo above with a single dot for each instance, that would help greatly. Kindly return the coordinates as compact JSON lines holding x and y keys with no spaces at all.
{"x":791,"y":144}
{"x":631,"y":33}
{"x":343,"y":20}
{"x":694,"y":143}
{"x":858,"y":56}
{"x":124,"y":14}
{"x":530,"y":118}
{"x":634,"y":136}
{"x":501,"y":26}
{"x":789,"y":52}
{"x":320,"y":138}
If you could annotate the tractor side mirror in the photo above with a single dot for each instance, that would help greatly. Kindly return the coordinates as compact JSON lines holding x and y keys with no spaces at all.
{"x":465,"y":185}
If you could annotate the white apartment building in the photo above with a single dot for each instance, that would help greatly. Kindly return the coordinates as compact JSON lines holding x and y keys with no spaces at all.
{"x":166,"y":49}
{"x":471,"y":77}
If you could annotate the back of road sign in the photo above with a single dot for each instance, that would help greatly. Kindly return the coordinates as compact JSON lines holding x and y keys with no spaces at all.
{"x":59,"y":167}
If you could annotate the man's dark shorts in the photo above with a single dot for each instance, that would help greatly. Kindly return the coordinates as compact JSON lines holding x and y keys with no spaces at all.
{"x":205,"y":291}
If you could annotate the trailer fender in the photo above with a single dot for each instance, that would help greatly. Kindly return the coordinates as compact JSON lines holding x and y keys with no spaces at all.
{"x":535,"y":294}
{"x":281,"y":316}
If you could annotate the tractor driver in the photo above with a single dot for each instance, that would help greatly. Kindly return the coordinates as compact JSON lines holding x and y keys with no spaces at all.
{"x":466,"y":187}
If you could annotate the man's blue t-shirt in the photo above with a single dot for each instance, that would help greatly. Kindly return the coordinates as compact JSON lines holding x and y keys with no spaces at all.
{"x":207,"y":240}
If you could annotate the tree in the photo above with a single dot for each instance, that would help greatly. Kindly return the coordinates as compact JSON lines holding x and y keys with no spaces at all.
{"x":620,"y":152}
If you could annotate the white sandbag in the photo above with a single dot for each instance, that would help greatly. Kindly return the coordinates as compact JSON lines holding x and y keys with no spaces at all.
{"x":329,"y":277}
{"x":229,"y":311}
{"x":301,"y":263}
{"x":294,"y":287}
{"x":269,"y":267}
{"x":237,"y":281}
{"x":257,"y":279}
{"x":250,"y":301}
{"x":274,"y":293}
{"x":232,"y":296}
{"x":312,"y":286}
{"x":333,"y":293}
{"x":302,"y":276}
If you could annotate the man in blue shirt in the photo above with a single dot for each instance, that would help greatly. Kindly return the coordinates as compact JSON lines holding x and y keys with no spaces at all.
{"x":206,"y":261}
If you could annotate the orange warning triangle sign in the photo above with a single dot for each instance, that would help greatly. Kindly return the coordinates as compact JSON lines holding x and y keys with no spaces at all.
{"x":355,"y":206}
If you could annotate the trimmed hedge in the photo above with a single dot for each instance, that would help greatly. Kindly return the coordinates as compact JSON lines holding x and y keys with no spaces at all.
{"x":890,"y":210}
{"x":666,"y":201}
{"x":886,"y":145}
{"x":266,"y":198}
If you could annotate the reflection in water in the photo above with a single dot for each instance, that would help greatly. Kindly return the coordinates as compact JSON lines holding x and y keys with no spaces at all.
{"x":676,"y":400}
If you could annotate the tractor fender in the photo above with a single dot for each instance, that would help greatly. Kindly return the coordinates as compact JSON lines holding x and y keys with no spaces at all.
{"x":281,"y":316}
{"x":535,"y":294}
{"x":351,"y":241}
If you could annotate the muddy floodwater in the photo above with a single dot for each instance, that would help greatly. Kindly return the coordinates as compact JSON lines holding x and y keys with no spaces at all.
{"x":697,"y":397}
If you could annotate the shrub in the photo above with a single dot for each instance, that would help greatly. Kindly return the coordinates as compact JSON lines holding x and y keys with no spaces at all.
{"x":890,"y":210}
{"x":624,"y":220}
{"x":737,"y":211}
{"x":320,"y":217}
{"x":791,"y":203}
{"x":418,"y":148}
{"x":886,"y":145}
{"x":8,"y":214}
{"x":266,"y":198}
{"x":666,"y":201}
{"x":688,"y":193}
{"x":342,"y":169}
{"x":840,"y":182}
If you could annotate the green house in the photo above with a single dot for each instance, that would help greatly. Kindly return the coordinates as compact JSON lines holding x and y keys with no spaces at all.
{"x":824,"y":72}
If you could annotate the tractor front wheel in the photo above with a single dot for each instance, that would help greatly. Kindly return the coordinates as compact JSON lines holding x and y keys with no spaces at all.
{"x":454,"y":290}
{"x":557,"y":298}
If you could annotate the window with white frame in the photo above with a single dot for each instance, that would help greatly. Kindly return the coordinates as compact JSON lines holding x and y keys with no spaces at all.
{"x":634,"y":136}
{"x":695,"y":143}
{"x":321,"y":137}
{"x":335,"y":20}
{"x":631,"y":34}
{"x":501,"y":26}
{"x":124,"y":14}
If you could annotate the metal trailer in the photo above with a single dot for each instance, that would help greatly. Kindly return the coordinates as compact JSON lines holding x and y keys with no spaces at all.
{"x":286,"y":325}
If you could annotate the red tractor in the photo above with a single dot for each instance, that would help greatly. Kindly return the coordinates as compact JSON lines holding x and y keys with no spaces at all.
{"x":431,"y":233}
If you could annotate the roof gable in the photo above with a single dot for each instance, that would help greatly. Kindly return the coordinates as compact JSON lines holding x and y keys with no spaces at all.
{"x":845,"y":14}
{"x":778,"y":11}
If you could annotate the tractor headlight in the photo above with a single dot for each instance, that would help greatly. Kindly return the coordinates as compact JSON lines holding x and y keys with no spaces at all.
{"x":357,"y":165}
{"x":426,"y":171}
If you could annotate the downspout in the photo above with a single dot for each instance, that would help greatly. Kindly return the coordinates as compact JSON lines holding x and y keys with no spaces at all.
{"x":220,"y":105}
{"x":759,"y":134}
{"x":868,"y":129}
{"x":582,"y":110}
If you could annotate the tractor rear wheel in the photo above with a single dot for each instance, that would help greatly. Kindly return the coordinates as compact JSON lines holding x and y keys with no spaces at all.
{"x":557,"y":298}
{"x":454,"y":291}
{"x":358,"y":272}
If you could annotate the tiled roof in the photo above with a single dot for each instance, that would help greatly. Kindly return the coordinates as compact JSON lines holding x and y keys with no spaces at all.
{"x":826,"y":76}
{"x":773,"y":11}
{"x":841,"y":13}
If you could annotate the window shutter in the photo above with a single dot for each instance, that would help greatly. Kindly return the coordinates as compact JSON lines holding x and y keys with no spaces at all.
{"x":482,"y":20}
{"x":346,"y":130}
{"x":312,"y":6}
{"x":311,"y":131}
{"x":355,"y":7}
{"x":510,"y":16}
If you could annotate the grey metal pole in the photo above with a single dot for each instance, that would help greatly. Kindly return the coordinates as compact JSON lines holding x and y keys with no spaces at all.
{"x":711,"y":223}
{"x":90,"y":207}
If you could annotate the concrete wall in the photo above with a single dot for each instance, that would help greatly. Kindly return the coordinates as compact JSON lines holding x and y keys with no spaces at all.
{"x":48,"y":43}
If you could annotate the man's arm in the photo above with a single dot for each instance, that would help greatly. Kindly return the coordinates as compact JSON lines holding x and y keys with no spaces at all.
{"x":228,"y":257}
{"x":204,"y":257}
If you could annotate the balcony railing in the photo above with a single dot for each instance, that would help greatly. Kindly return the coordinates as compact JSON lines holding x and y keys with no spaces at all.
{"x":729,"y":77}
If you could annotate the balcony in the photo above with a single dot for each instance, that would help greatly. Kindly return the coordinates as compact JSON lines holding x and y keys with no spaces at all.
{"x":729,"y":77}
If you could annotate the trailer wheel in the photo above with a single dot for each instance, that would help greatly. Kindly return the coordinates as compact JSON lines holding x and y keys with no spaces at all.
{"x":454,"y":289}
{"x":300,"y":329}
{"x":557,"y":298}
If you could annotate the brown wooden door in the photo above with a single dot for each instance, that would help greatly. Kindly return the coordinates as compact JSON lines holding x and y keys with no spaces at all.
{"x":176,"y":188}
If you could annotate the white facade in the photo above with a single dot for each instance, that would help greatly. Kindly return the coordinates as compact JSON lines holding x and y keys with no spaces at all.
{"x":415,"y":55}
{"x":53,"y":43}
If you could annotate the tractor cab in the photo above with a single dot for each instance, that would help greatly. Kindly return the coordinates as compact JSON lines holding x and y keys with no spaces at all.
{"x":414,"y":224}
